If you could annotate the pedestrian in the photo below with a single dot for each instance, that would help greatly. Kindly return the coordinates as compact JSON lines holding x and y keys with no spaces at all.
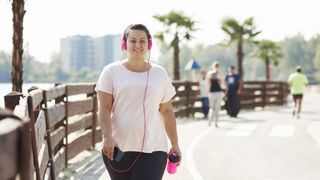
{"x":135,"y":111}
{"x":233,"y":90}
{"x":216,"y":93}
{"x":297,"y":82}
{"x":204,"y":93}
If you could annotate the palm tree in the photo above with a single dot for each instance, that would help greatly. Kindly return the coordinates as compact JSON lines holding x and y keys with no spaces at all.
{"x":17,"y":39}
{"x":179,"y":27}
{"x":245,"y":32}
{"x":268,"y":50}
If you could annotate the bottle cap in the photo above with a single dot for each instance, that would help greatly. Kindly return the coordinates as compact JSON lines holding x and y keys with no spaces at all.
{"x":174,"y":157}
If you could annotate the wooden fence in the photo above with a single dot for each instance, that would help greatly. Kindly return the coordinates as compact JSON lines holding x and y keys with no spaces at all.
{"x":262,"y":94}
{"x":254,"y":94}
{"x":63,"y":122}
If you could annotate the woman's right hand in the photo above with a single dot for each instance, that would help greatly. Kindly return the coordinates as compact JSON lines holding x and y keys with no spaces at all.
{"x":108,"y":147}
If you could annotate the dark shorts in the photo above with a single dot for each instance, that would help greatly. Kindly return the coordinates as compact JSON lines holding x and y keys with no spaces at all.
{"x":147,"y":166}
{"x":297,"y":96}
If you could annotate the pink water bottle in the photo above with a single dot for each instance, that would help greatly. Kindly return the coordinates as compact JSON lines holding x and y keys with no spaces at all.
{"x":172,"y":163}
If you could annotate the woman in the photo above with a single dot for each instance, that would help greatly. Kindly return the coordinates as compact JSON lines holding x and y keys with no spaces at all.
{"x":215,"y":96}
{"x":134,"y":96}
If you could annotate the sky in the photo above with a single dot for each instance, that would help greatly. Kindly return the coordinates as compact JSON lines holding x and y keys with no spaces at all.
{"x":47,"y":21}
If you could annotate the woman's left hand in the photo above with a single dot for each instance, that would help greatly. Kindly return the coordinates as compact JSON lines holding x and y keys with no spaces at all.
{"x":176,"y":149}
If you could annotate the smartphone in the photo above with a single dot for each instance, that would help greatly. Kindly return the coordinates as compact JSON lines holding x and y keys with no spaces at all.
{"x":117,"y":154}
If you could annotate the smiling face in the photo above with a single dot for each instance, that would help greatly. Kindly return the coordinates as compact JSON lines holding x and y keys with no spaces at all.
{"x":137,"y":43}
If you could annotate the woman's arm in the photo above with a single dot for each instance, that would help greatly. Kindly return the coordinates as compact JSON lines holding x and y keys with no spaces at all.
{"x":104,"y":116}
{"x":166,"y":111}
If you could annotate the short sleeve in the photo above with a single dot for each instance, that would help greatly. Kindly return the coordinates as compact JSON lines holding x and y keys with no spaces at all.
{"x":169,"y":90}
{"x":105,"y":83}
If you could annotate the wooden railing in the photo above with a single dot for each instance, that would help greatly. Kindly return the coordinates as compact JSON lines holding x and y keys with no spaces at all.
{"x":63,"y":122}
{"x":254,"y":94}
{"x":262,"y":94}
{"x":185,"y":99}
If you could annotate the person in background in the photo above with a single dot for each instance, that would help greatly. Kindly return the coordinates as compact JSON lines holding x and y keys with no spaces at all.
{"x":135,"y":111}
{"x":215,"y":81}
{"x":297,"y":82}
{"x":204,"y":93}
{"x":233,"y":90}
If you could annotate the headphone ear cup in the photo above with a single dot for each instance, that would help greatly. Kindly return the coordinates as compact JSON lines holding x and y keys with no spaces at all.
{"x":124,"y":42}
{"x":149,"y":43}
{"x":124,"y":45}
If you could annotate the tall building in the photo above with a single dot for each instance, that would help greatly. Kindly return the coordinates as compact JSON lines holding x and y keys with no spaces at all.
{"x":76,"y":52}
{"x":106,"y":50}
{"x":93,"y":53}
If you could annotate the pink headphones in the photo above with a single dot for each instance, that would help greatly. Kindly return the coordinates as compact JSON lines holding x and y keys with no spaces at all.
{"x":124,"y":41}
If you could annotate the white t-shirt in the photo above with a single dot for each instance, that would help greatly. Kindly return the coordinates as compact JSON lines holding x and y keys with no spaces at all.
{"x":127,"y":88}
{"x":204,"y":87}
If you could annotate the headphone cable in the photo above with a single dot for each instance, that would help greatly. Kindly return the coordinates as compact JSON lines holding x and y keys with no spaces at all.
{"x":145,"y":121}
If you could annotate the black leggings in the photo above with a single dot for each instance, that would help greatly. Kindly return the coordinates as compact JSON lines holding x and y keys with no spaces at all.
{"x":148,"y":166}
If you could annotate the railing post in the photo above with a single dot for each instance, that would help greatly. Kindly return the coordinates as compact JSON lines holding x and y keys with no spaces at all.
{"x":188,"y":93}
{"x":281,"y":93}
{"x":264,"y":94}
{"x":94,"y":117}
{"x":48,"y":134}
{"x":33,"y":137}
{"x":12,"y":99}
{"x":22,"y":145}
{"x":66,"y":123}
{"x":285,"y":91}
{"x":186,"y":88}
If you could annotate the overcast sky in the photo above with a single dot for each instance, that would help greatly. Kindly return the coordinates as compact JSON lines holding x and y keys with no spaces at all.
{"x":46,"y":21}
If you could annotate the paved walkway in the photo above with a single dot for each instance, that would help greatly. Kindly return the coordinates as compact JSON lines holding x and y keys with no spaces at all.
{"x":198,"y":143}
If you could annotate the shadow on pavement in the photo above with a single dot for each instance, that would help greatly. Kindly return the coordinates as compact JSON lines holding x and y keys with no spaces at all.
{"x":87,"y":165}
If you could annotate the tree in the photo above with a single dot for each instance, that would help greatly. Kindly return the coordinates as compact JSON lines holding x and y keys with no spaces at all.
{"x":17,"y":39}
{"x":245,"y":32}
{"x":179,"y":27}
{"x":268,"y":50}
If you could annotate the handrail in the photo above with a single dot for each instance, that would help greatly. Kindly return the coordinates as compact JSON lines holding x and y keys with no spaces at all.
{"x":63,"y":119}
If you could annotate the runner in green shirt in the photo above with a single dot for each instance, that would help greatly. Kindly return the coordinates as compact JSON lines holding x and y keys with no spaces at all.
{"x":297,"y":81}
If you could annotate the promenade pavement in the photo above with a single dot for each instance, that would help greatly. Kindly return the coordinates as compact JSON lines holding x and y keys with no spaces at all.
{"x":204,"y":147}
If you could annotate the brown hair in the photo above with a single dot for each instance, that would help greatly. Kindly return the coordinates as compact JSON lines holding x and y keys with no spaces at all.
{"x":137,"y":27}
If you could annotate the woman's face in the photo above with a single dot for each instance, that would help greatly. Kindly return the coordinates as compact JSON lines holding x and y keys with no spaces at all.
{"x":137,"y":43}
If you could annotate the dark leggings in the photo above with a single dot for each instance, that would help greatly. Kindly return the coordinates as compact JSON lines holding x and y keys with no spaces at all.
{"x":148,"y":166}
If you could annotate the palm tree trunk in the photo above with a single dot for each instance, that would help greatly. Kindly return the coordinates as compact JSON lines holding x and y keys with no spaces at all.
{"x":17,"y":39}
{"x":176,"y":68}
{"x":240,"y":58}
{"x":268,"y":78}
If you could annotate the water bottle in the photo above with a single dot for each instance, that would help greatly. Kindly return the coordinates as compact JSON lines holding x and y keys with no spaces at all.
{"x":172,"y":163}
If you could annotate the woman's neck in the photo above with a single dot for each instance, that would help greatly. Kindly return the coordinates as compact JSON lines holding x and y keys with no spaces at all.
{"x":136,"y":65}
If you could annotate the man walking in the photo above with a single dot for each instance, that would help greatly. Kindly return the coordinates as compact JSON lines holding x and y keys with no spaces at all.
{"x":297,"y":82}
{"x":234,"y":85}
